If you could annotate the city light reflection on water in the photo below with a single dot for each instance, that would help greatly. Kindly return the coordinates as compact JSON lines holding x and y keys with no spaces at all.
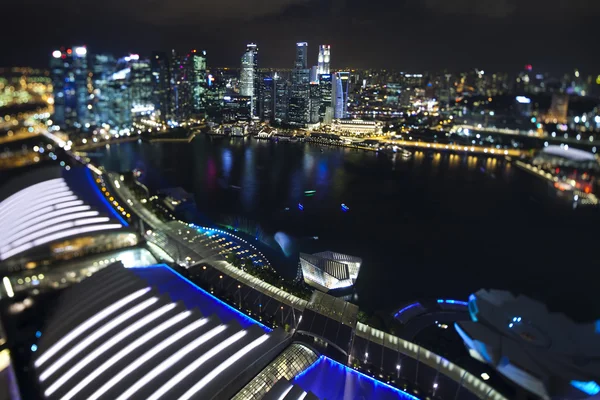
{"x":412,"y":220}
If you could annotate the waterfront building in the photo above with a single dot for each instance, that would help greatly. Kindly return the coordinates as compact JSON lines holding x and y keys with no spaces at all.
{"x":199,"y":80}
{"x":266,"y":104}
{"x":299,"y":98}
{"x":281,"y":88}
{"x":324,"y":59}
{"x":356,"y":127}
{"x":72,"y":87}
{"x":161,"y":78}
{"x":315,"y":102}
{"x":187,"y":85}
{"x":325,"y":86}
{"x":329,"y":270}
{"x":237,"y":108}
{"x":341,"y":86}
{"x":249,"y":76}
{"x":140,"y":83}
{"x":102,"y":66}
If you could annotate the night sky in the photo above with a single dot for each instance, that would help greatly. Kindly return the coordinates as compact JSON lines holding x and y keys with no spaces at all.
{"x":409,"y":35}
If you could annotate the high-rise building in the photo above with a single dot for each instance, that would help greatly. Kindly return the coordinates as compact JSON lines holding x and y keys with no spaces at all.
{"x":315,"y":102}
{"x":326,"y":100}
{"x":187,"y":84}
{"x":314,"y":74}
{"x":102,"y":67}
{"x":161,"y":84}
{"x":140,"y":82}
{"x":324,"y":59}
{"x":249,"y":78}
{"x":341,"y":86}
{"x":266,"y":104}
{"x":72,"y":87}
{"x":199,"y":80}
{"x":301,"y":55}
{"x":299,"y":99}
{"x":281,"y":98}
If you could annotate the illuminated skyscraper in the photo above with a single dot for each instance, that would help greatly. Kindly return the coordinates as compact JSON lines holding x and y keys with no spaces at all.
{"x":72,"y":87}
{"x":324,"y":59}
{"x":266,"y":103}
{"x":199,"y":79}
{"x":187,"y":84}
{"x":315,"y":102}
{"x":325,"y":88}
{"x":301,"y":56}
{"x":161,"y":78}
{"x":281,"y":99}
{"x":249,"y":76}
{"x":341,"y":85}
{"x":102,"y":67}
{"x":298,"y":110}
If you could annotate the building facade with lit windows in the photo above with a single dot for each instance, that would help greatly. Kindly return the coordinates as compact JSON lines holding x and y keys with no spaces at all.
{"x":299,"y":96}
{"x":249,"y":76}
{"x":72,"y":86}
{"x":324,"y":59}
{"x":341,"y":87}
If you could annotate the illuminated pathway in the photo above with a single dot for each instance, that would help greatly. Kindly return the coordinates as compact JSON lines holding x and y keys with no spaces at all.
{"x":457,"y":148}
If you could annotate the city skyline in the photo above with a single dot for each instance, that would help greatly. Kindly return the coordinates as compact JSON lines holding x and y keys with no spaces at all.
{"x":426,"y":36}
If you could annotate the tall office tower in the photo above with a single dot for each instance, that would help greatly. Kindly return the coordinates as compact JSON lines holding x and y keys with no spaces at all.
{"x":299,"y":99}
{"x":341,"y":85}
{"x":326,"y":102}
{"x":301,"y":56}
{"x":266,"y":104}
{"x":199,"y":80}
{"x":102,"y":68}
{"x":140,"y":82}
{"x":315,"y":102}
{"x":314,"y":74}
{"x":324,"y":59}
{"x":161,"y":84}
{"x":182,"y":98}
{"x":72,"y":87}
{"x":249,"y":78}
{"x":119,"y":98}
{"x":281,"y":99}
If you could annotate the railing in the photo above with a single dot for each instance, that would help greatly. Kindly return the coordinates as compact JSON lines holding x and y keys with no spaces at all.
{"x":412,"y":350}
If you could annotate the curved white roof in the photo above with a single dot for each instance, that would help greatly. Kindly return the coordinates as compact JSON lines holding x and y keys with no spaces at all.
{"x":45,"y":212}
{"x":131,"y":341}
{"x":570,"y":153}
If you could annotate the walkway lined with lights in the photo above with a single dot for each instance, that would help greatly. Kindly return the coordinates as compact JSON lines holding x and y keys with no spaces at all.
{"x":472,"y":149}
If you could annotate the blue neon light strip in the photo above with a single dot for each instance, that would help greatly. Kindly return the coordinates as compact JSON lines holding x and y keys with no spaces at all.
{"x":179,"y":288}
{"x":103,"y":198}
{"x":328,"y":379}
{"x":590,"y":388}
{"x":598,"y":326}
{"x":457,"y":302}
{"x":408,"y":307}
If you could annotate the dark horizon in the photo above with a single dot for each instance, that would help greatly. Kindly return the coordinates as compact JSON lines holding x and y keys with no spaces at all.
{"x":433,"y":35}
